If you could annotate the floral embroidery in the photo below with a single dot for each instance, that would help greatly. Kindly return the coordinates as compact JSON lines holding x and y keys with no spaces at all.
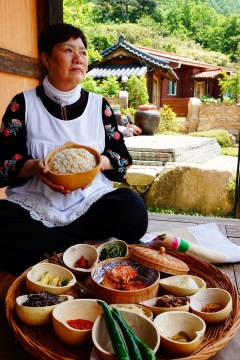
{"x":108,"y":111}
{"x":9,"y":165}
{"x":111,"y":133}
{"x":122,"y":163}
{"x":14,"y":106}
{"x":13,"y":128}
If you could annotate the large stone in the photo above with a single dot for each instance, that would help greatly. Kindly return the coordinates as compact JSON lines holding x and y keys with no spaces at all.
{"x":190,"y":188}
{"x":142,"y":176}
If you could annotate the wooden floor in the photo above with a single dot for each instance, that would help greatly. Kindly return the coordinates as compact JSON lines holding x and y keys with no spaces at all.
{"x":11,"y":349}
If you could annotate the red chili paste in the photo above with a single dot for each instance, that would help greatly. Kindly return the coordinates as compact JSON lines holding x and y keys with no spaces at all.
{"x":80,"y":324}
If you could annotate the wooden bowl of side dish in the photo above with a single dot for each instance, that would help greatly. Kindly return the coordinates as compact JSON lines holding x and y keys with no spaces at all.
{"x":176,"y":326}
{"x":47,"y":271}
{"x":118,"y":296}
{"x":37,"y":315}
{"x":212,"y":305}
{"x":143,"y":327}
{"x":76,"y":180}
{"x":83,"y":309}
{"x":72,"y":258}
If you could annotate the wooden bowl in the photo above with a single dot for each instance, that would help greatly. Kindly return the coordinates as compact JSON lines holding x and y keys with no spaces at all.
{"x":33,"y":278}
{"x":141,"y":325}
{"x":112,"y":296}
{"x":182,"y":285}
{"x":36,"y":316}
{"x":87,"y":309}
{"x":73,"y":253}
{"x":77,"y":180}
{"x":121,"y":243}
{"x":139,"y":309}
{"x":171,"y":323}
{"x":156,"y":310}
{"x":211,"y":296}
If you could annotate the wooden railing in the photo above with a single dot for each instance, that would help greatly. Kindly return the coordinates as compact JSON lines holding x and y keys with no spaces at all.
{"x":178,"y":105}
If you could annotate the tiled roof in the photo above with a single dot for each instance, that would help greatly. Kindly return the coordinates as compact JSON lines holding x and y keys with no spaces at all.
{"x":117,"y":70}
{"x":147,"y":60}
{"x":207,"y":74}
{"x":183,"y":59}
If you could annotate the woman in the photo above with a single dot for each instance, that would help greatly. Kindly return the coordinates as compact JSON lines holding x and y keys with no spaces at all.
{"x":39,"y":216}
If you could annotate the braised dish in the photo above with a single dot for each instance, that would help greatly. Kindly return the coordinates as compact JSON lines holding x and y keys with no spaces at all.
{"x":121,"y":280}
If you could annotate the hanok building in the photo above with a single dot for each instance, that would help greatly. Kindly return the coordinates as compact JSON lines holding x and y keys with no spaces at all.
{"x":171,"y":78}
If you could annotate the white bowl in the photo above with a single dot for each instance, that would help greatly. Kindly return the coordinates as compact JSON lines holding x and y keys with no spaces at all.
{"x":141,"y":325}
{"x":36,"y":316}
{"x":33,"y":278}
{"x":87,"y":309}
{"x":182,"y":285}
{"x":171,"y":323}
{"x":73,"y":253}
{"x":211,"y":296}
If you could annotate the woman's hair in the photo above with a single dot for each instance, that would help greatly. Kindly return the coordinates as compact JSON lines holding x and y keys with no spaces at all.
{"x":58,"y":33}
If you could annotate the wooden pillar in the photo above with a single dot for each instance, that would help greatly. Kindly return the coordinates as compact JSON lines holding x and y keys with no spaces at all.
{"x":150,"y":86}
{"x":236,"y":214}
{"x":48,"y":12}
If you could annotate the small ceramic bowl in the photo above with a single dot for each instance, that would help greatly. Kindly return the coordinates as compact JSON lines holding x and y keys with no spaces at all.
{"x":141,"y":325}
{"x":103,"y":254}
{"x":74,"y":253}
{"x":182,"y":285}
{"x":34,"y":275}
{"x":139,"y":309}
{"x":171,"y":323}
{"x":210,"y":297}
{"x":36,"y":316}
{"x":77,"y":180}
{"x":156,"y":310}
{"x":87,"y":309}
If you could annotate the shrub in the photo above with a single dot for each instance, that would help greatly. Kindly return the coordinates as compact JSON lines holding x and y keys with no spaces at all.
{"x":168,"y":121}
{"x":221,"y":136}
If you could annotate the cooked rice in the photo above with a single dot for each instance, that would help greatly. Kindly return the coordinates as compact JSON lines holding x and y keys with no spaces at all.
{"x":72,"y":160}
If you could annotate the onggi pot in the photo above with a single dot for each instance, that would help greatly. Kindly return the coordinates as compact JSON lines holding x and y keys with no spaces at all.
{"x":147,"y":117}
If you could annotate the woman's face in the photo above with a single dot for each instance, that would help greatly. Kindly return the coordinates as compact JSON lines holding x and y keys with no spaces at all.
{"x":67,"y":64}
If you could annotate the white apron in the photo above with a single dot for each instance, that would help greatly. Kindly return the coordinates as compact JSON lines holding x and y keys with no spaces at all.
{"x":44,"y":134}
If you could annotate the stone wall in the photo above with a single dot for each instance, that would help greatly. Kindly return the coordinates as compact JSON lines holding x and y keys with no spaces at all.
{"x":203,"y":117}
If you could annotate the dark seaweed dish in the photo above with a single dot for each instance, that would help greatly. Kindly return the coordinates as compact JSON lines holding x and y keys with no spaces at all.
{"x":45,"y":298}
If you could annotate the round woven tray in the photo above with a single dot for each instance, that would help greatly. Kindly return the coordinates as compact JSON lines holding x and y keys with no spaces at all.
{"x":43,"y":344}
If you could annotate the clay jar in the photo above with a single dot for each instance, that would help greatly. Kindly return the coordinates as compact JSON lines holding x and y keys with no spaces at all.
{"x":117,"y":113}
{"x":147,"y":117}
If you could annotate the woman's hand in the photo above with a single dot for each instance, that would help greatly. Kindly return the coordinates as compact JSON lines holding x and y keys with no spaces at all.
{"x":37,"y":167}
{"x":135,"y":128}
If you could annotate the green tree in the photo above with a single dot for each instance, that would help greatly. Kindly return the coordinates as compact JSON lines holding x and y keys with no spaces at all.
{"x":137,"y":91}
{"x":231,"y":84}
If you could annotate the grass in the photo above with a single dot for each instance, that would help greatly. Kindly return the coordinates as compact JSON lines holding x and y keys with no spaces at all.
{"x":230,"y":151}
{"x":172,"y":211}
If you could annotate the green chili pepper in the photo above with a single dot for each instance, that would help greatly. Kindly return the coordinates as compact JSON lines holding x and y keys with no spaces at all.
{"x":133,"y":349}
{"x":118,"y":344}
{"x":146,"y":352}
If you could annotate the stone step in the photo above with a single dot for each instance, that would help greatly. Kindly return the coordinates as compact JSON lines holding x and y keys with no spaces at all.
{"x":159,"y":149}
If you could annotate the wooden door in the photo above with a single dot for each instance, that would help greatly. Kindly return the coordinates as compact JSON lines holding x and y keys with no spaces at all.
{"x":199,"y":89}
